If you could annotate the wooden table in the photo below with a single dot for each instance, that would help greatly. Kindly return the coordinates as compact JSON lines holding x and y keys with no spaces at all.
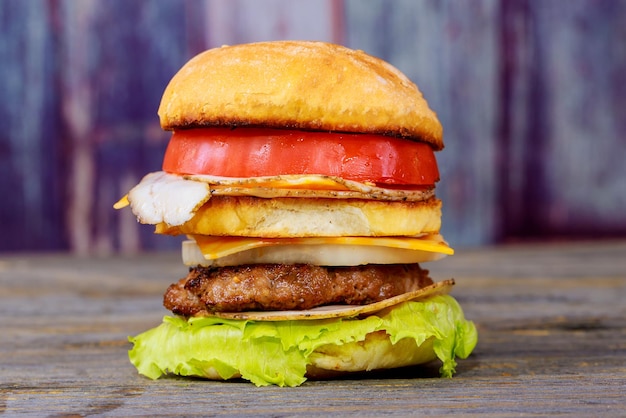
{"x":551,"y":321}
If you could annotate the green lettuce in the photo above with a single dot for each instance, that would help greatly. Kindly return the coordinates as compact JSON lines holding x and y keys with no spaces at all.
{"x":278,"y":352}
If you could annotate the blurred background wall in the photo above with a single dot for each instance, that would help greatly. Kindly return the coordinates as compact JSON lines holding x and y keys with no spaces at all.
{"x":531,"y":93}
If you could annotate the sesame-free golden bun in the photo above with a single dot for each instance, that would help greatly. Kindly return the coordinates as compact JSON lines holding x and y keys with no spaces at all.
{"x":298,"y":85}
{"x":302,"y":217}
{"x":375,"y":352}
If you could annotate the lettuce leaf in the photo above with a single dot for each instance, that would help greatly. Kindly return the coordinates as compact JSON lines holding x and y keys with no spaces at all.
{"x":278,"y":352}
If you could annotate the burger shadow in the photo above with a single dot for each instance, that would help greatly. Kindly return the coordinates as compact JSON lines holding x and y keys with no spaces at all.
{"x":424,"y":371}
{"x":429,"y":370}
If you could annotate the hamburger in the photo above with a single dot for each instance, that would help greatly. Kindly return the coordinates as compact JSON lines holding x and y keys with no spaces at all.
{"x":302,"y":175}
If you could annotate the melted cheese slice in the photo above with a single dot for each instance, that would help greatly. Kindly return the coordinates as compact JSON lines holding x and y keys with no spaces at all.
{"x":217,"y":247}
{"x":307,"y":185}
{"x":313,"y":182}
{"x":331,"y":251}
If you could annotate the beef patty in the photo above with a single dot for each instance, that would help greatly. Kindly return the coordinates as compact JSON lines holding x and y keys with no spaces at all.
{"x":265,"y":287}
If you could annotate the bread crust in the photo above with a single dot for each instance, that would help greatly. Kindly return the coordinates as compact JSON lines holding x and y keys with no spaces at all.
{"x":297,"y":85}
{"x":303,"y":217}
{"x":376,"y":352}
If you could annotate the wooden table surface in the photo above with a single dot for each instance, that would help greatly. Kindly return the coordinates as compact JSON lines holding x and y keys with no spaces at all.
{"x":551,"y":321}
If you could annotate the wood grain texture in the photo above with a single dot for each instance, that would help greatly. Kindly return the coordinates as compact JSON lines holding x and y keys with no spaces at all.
{"x":552,"y":340}
{"x":562,"y":107}
{"x":449,"y":49}
{"x":531,"y":95}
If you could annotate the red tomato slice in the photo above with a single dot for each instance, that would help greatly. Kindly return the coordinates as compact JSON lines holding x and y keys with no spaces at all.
{"x":252,"y":152}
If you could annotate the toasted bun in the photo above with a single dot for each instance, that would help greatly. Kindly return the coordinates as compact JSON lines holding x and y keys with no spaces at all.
{"x":302,"y":217}
{"x":298,"y":85}
{"x":376,"y":352}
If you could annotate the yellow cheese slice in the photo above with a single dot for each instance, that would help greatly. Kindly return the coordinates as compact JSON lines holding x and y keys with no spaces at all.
{"x":213,"y":247}
{"x":311,"y":182}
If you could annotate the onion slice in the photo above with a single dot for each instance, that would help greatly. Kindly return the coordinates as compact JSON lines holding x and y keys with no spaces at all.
{"x":341,"y":311}
{"x":342,"y":251}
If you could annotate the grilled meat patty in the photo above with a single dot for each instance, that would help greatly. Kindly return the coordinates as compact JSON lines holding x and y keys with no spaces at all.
{"x":288,"y":287}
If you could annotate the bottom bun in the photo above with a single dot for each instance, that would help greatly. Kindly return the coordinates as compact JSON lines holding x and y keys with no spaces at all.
{"x":376,"y":352}
{"x":286,"y":353}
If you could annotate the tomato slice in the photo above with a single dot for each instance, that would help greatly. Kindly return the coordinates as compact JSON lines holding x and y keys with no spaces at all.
{"x":255,"y":152}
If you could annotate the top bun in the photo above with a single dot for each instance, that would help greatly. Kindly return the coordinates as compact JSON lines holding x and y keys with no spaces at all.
{"x":297,"y":85}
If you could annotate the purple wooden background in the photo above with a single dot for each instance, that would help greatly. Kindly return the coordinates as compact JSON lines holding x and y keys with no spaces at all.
{"x":532,"y":95}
